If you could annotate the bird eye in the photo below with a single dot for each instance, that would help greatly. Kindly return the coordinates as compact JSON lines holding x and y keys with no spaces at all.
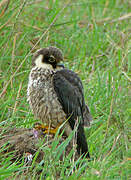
{"x":51,"y":59}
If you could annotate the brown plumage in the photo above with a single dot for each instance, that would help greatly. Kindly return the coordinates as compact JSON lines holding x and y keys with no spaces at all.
{"x":55,"y":94}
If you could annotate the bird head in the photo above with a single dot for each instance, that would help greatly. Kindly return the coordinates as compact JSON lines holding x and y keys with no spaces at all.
{"x":48,"y":58}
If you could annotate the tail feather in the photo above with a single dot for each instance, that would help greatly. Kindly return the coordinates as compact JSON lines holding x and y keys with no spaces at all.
{"x":82,"y":146}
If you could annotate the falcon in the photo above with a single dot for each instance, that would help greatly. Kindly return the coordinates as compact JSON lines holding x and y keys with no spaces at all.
{"x":56,"y":96}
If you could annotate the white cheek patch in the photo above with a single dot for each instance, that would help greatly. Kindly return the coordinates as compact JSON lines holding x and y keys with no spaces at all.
{"x":38,"y":61}
{"x":41,"y":64}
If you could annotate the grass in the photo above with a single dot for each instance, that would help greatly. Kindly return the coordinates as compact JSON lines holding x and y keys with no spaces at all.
{"x":95,"y":39}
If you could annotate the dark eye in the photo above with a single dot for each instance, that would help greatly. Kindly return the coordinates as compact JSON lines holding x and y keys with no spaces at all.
{"x":51,"y":59}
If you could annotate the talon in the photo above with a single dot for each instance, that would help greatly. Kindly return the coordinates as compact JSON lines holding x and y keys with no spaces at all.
{"x":39,"y":126}
{"x":51,"y":131}
{"x":46,"y":129}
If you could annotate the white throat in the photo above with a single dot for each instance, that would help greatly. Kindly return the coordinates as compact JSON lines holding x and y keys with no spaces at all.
{"x":40,"y":64}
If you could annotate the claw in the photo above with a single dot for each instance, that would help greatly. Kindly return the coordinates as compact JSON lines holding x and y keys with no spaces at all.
{"x":46,"y":129}
{"x":39,"y":126}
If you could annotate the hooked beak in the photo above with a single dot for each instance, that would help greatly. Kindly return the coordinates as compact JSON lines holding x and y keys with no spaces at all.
{"x":60,"y":66}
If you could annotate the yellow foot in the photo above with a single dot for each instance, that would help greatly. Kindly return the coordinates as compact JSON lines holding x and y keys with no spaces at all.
{"x":46,"y":129}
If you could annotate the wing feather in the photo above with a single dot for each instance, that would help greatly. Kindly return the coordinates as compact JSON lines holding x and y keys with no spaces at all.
{"x":69,"y":90}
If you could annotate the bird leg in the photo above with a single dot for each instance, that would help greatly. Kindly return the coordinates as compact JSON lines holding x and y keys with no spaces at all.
{"x":46,"y":129}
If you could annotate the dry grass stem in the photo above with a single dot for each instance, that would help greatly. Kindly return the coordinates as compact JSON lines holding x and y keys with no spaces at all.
{"x":108,"y":121}
{"x":129,"y":79}
{"x":1,"y":27}
{"x":18,"y":95}
{"x":18,"y":110}
{"x":34,"y":27}
{"x":7,"y":5}
{"x":106,"y":6}
{"x":114,"y":144}
{"x":109,"y":20}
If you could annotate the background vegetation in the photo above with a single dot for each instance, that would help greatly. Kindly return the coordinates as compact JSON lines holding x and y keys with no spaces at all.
{"x":94,"y":36}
